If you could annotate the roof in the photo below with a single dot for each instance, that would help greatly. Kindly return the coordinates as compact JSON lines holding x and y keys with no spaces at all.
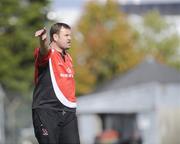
{"x":136,"y":99}
{"x":114,"y":101}
{"x":148,"y":86}
{"x":147,"y":72}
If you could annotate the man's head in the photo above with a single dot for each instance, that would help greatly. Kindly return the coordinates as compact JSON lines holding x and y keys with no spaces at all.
{"x":60,"y":33}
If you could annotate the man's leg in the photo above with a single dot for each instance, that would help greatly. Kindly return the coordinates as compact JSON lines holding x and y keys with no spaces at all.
{"x":46,"y":126}
{"x":70,"y":133}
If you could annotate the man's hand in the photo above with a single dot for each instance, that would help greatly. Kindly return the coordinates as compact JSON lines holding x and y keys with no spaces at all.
{"x":41,"y":34}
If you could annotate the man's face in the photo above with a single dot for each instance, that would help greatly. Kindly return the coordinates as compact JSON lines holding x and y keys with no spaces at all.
{"x":64,"y":38}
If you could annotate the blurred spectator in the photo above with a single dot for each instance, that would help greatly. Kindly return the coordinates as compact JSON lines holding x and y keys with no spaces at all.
{"x":114,"y":137}
{"x":108,"y":137}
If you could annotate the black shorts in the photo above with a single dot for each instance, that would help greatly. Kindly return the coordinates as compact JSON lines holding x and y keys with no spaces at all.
{"x":55,"y":127}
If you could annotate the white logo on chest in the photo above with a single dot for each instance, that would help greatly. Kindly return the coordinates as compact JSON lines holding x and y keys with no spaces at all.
{"x":69,"y":70}
{"x":68,"y":74}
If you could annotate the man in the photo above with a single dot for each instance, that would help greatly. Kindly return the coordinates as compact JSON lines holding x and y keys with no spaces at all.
{"x":54,"y":101}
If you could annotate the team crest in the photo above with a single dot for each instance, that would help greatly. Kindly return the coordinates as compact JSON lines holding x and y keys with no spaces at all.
{"x":44,"y":132}
{"x":68,"y":70}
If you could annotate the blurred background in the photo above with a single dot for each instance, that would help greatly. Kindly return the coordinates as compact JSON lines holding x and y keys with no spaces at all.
{"x":127,"y":61}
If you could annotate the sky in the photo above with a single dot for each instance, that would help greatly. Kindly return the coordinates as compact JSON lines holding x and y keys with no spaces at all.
{"x":67,"y":11}
{"x":68,"y":3}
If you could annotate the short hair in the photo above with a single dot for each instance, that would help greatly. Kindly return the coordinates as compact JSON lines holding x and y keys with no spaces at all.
{"x":55,"y":29}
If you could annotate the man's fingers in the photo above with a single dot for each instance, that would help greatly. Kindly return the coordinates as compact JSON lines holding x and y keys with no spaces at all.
{"x":40,"y":32}
{"x":44,"y":36}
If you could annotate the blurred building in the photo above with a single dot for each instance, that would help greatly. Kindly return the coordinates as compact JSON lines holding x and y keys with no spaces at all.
{"x":170,"y":9}
{"x":2,"y":129}
{"x":143,"y":104}
{"x":165,"y":7}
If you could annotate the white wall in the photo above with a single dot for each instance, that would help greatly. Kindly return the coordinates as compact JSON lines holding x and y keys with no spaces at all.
{"x":89,"y":127}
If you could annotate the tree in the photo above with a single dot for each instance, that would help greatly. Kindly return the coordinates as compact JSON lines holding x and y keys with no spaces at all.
{"x":18,"y":21}
{"x":104,"y":45}
{"x":159,"y":38}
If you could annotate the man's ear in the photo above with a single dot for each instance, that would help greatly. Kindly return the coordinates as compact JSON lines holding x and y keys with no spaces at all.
{"x":55,"y":37}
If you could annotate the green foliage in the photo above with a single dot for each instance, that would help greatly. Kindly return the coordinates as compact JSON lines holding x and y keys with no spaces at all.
{"x":159,"y":38}
{"x":18,"y":21}
{"x":104,"y":45}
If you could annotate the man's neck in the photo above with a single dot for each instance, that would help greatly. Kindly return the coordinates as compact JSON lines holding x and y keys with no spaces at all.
{"x":54,"y":45}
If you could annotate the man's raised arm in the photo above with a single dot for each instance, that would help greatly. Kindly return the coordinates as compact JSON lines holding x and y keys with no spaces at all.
{"x":44,"y":47}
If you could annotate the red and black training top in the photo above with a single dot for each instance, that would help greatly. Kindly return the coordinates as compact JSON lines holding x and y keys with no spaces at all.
{"x":54,"y":81}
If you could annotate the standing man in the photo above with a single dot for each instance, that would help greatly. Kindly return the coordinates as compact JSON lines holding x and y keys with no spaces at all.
{"x":54,"y":101}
